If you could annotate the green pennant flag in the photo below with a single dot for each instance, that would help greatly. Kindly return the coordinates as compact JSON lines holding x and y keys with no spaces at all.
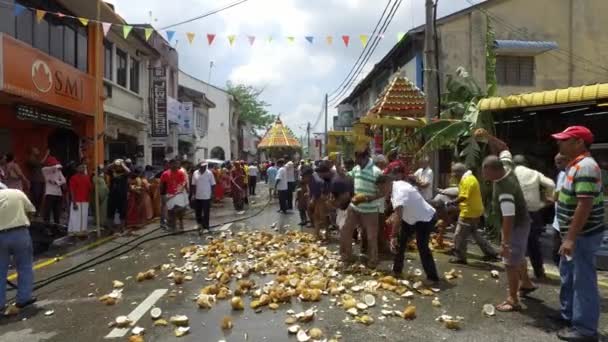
{"x":126,"y":29}
{"x":148,"y":32}
{"x":400,"y":36}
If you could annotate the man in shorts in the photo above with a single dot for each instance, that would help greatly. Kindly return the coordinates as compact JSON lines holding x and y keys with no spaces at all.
{"x":510,"y":205}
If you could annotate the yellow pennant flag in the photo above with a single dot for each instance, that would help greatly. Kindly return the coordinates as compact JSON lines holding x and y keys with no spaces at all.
{"x":190,"y":36}
{"x":291,"y":39}
{"x":364,"y":39}
{"x":40,"y":15}
{"x":231,"y":39}
{"x":148,"y":32}
{"x":126,"y":29}
{"x":400,"y":36}
{"x":84,"y":21}
{"x":329,"y":40}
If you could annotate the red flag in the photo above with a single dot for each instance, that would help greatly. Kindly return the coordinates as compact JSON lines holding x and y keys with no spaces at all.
{"x":210,"y":38}
{"x":346,"y":40}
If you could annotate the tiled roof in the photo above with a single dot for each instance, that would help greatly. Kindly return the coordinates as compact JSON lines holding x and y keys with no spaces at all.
{"x":279,"y":136}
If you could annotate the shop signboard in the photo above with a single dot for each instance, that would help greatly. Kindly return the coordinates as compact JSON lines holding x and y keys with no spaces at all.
{"x":32,"y":74}
{"x":159,"y":103}
{"x":185,"y":118}
{"x":40,"y":116}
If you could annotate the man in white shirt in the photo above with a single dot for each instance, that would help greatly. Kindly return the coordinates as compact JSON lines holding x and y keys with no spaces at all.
{"x":412,"y":215}
{"x":291,"y":183}
{"x":538,"y":191}
{"x":282,"y":186}
{"x":15,"y":240}
{"x":253,"y":177}
{"x":424,"y":179}
{"x":53,"y":193}
{"x":201,"y":193}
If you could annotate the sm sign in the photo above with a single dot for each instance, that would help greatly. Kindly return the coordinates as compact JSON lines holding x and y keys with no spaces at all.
{"x":29,"y":73}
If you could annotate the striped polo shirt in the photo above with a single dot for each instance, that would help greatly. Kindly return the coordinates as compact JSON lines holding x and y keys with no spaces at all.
{"x":365,"y":183}
{"x":583,"y":180}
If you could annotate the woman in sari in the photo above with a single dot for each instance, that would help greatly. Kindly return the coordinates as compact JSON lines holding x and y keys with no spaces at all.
{"x":155,"y":196}
{"x":219,"y":186}
{"x":226,"y":179}
{"x":237,"y":176}
{"x":147,"y":200}
{"x":135,"y":203}
{"x":99,"y":183}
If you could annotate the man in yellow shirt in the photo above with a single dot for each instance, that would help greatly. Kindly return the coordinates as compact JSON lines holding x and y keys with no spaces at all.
{"x":471,"y":211}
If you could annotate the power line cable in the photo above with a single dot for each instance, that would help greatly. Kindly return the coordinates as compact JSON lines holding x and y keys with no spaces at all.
{"x":389,"y":19}
{"x":363,"y":51}
{"x":205,"y":15}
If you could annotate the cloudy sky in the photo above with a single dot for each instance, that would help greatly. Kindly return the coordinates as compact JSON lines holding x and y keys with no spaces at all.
{"x":294,"y":76}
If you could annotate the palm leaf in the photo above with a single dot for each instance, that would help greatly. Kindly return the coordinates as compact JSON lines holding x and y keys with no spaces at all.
{"x":471,"y":152}
{"x":446,"y":136}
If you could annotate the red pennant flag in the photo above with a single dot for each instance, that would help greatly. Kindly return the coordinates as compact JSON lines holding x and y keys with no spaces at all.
{"x":210,"y":38}
{"x":59,"y":14}
{"x":346,"y":40}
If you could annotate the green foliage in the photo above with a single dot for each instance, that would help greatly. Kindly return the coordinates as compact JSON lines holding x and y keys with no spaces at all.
{"x":491,"y":59}
{"x":252,"y":108}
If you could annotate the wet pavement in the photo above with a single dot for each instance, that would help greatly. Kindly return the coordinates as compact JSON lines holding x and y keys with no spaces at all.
{"x":79,"y":316}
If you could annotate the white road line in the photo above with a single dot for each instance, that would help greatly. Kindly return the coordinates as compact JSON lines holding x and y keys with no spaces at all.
{"x":138,"y":313}
{"x":226,"y":226}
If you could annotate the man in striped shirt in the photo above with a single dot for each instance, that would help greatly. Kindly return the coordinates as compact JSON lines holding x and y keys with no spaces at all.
{"x":580,"y":214}
{"x":363,"y":210}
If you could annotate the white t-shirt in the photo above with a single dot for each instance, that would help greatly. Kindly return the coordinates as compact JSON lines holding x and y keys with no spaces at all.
{"x":415,"y":208}
{"x":253,"y":171}
{"x":203,"y":182}
{"x":425,"y":176}
{"x":282,"y":179}
{"x":291,"y":173}
{"x":54,"y":179}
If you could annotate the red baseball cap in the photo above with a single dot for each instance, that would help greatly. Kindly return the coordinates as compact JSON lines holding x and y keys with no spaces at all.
{"x":577,"y":132}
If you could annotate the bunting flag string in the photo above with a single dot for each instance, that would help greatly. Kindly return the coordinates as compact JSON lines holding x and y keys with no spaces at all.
{"x":106,"y":28}
{"x":346,"y":40}
{"x":190,"y":36}
{"x":40,"y":15}
{"x":210,"y":38}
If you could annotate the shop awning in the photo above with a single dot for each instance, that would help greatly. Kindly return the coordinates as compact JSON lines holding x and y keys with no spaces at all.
{"x":523,"y":47}
{"x":588,"y":93}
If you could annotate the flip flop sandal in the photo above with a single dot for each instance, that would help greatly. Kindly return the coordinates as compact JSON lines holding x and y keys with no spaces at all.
{"x":525,"y":292}
{"x":508,"y":307}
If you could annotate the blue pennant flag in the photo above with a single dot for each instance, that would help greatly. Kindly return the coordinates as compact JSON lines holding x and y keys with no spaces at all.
{"x":170,"y":35}
{"x":310,"y":39}
{"x":18,"y":10}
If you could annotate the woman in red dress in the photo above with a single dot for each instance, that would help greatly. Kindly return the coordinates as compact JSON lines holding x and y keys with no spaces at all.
{"x":136,"y":210}
{"x":219,"y":186}
{"x":237,"y":176}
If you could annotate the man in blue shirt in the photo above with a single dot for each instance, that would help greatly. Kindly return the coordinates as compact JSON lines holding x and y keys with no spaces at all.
{"x":271,"y":173}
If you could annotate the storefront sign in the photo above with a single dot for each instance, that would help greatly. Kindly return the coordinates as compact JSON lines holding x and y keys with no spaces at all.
{"x":185,"y":118}
{"x":159,"y":103}
{"x":40,"y":116}
{"x":29,"y":73}
{"x":159,"y":141}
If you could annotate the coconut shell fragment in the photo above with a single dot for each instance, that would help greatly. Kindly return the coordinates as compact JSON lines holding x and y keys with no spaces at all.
{"x":409,"y":312}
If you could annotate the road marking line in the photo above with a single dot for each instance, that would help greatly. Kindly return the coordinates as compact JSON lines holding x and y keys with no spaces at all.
{"x":138,"y":312}
{"x":226,"y":226}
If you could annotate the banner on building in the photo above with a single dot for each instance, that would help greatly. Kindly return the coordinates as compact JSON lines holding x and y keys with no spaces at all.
{"x":186,"y":118}
{"x":173,"y":110}
{"x":159,"y":103}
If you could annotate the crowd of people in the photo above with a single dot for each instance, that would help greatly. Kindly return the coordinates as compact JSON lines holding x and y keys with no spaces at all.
{"x":376,"y":200}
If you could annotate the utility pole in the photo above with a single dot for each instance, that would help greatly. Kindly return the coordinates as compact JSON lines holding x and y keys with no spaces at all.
{"x":308,"y":140}
{"x":430,"y":74}
{"x":325,"y":138}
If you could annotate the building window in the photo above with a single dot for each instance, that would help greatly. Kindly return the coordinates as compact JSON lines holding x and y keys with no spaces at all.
{"x":515,"y":70}
{"x":82,"y":52}
{"x":56,"y":39}
{"x":41,"y":36}
{"x":134,"y":75}
{"x":69,"y":45}
{"x":107,"y":60}
{"x":121,"y":71}
{"x":24,"y":26}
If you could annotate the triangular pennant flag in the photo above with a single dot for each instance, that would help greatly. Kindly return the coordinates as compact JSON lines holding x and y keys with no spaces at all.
{"x":40,"y":15}
{"x":291,"y":39}
{"x":210,"y":38}
{"x":269,"y":39}
{"x":251,"y":39}
{"x":84,"y":21}
{"x":59,"y":14}
{"x":190,"y":36}
{"x":400,"y":36}
{"x":364,"y":39}
{"x":329,"y":40}
{"x":106,"y":28}
{"x":126,"y":29}
{"x":346,"y":40}
{"x":170,"y":35}
{"x":310,"y":39}
{"x":18,"y":10}
{"x":148,"y":32}
{"x":231,"y":39}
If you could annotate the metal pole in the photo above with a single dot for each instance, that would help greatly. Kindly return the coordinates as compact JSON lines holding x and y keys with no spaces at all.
{"x":308,"y":140}
{"x":96,"y":120}
{"x":326,"y":138}
{"x":430,"y":79}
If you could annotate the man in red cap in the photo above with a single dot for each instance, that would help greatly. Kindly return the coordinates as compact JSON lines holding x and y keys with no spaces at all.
{"x":580,"y":214}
